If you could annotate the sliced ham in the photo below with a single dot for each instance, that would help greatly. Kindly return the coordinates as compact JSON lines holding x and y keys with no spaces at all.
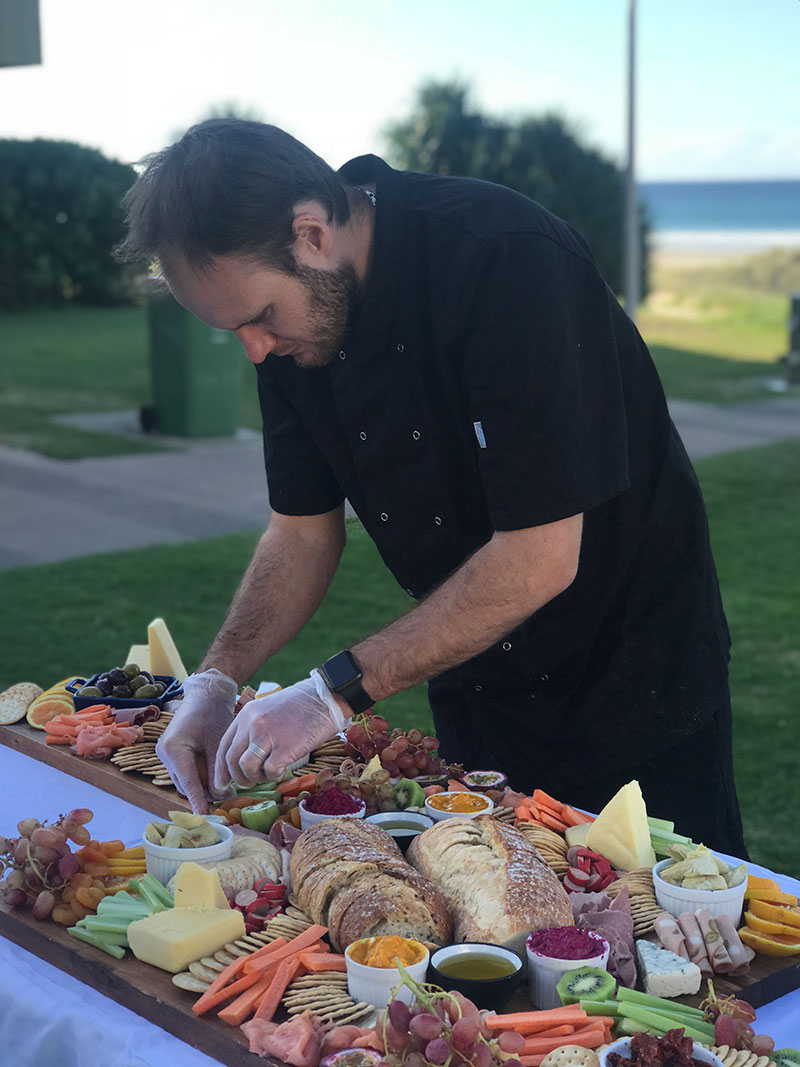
{"x":718,"y":955}
{"x":613,"y":921}
{"x":297,"y":1042}
{"x":669,"y":934}
{"x":739,"y":953}
{"x":690,"y":928}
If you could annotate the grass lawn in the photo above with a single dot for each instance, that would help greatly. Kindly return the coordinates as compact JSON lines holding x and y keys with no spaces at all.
{"x":81,"y":616}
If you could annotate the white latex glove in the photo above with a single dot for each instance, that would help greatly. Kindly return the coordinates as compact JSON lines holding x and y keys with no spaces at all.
{"x":198,"y":725}
{"x":286,"y":725}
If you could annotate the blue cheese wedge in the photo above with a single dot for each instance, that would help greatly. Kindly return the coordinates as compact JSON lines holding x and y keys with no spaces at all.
{"x":665,"y":973}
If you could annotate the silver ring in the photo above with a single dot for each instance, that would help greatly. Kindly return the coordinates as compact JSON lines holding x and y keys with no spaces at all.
{"x":262,"y":755}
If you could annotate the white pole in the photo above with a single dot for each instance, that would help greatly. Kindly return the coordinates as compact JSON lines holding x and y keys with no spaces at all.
{"x":632,"y":265}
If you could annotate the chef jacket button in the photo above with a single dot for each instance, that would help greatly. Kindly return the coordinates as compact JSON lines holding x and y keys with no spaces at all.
{"x":478,"y":688}
{"x":401,"y":348}
{"x":437,"y":520}
{"x":545,"y":677}
{"x":410,"y":592}
{"x":506,"y":646}
{"x":384,"y":517}
{"x":416,"y":435}
{"x":363,"y":436}
{"x":342,"y":355}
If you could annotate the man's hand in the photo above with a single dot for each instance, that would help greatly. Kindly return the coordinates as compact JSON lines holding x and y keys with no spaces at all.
{"x":202,"y":718}
{"x":285,"y":725}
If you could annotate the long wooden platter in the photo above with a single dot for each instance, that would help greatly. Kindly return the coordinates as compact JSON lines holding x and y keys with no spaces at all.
{"x":143,"y":989}
{"x":133,"y":787}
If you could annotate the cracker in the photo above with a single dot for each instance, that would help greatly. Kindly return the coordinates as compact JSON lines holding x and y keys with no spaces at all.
{"x":235,"y":950}
{"x":320,"y":977}
{"x":199,"y":970}
{"x":186,"y":980}
{"x":347,"y":1015}
{"x":16,"y":700}
{"x":314,"y":999}
{"x":571,"y":1056}
{"x":213,"y":964}
{"x":225,"y":958}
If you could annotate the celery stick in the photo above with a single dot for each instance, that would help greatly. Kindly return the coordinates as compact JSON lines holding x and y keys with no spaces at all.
{"x":90,"y":939}
{"x":152,"y":892}
{"x":660,"y":824}
{"x":627,"y":1028}
{"x":98,"y":924}
{"x":647,"y":1000}
{"x":670,"y":1019}
{"x":124,"y":910}
{"x":599,"y":1007}
{"x":657,"y":1021}
{"x":667,"y":837}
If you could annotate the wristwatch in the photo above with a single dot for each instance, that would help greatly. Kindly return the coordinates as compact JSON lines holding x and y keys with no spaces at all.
{"x":341,"y":674}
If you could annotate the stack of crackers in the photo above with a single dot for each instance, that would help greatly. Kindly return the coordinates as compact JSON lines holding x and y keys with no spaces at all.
{"x":327,"y":757}
{"x":550,"y":844}
{"x":15,"y":701}
{"x":644,"y":909}
{"x":142,"y":757}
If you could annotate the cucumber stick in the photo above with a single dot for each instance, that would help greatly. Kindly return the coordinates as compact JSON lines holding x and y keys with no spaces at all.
{"x":647,"y":1000}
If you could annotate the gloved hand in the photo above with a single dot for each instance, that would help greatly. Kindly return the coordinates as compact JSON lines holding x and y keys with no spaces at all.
{"x":286,"y":725}
{"x":199,"y":723}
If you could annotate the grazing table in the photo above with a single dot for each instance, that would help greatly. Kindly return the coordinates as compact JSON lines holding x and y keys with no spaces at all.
{"x":51,"y":1018}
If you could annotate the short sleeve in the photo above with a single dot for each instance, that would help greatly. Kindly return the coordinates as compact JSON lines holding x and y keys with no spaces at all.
{"x":542,"y":378}
{"x":299,"y":479}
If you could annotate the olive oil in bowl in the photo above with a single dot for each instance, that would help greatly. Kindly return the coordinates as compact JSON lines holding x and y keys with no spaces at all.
{"x":477,"y":967}
{"x":487,"y":974}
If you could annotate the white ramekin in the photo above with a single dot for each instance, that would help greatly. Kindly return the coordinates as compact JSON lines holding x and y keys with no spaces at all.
{"x":675,"y":899}
{"x":374,"y":985}
{"x":438,"y":815}
{"x":163,"y":862}
{"x":544,"y":972}
{"x":308,"y":818}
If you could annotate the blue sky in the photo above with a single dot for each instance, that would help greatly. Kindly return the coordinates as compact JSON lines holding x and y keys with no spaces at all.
{"x":717,"y":78}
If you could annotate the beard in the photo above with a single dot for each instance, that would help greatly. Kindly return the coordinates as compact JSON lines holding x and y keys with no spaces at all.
{"x":331,"y":295}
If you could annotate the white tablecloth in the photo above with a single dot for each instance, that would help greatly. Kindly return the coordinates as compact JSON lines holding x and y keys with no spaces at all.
{"x":49,"y":1019}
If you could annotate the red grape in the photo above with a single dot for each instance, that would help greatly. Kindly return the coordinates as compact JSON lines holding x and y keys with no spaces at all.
{"x":20,"y":852}
{"x":465,"y":1033}
{"x":430,"y":743}
{"x":43,"y":904}
{"x":381,"y":741}
{"x":45,"y":855}
{"x":400,"y":744}
{"x":725,"y":1030}
{"x":414,"y":1059}
{"x":48,"y":836}
{"x":405,"y":762}
{"x":368,"y":750}
{"x":399,"y":1016}
{"x":762,"y":1045}
{"x":393,"y":769}
{"x":80,"y":835}
{"x":379,"y":723}
{"x":14,"y":880}
{"x":426,"y":1026}
{"x":80,"y":815}
{"x":415,"y":736}
{"x":68,"y":866}
{"x":356,"y":735}
{"x":15,"y":898}
{"x":480,"y":1055}
{"x":420,"y":759}
{"x":389,"y":755}
{"x":437,"y":1051}
{"x":395,"y":1039}
{"x":25,"y":827}
{"x":510,"y":1041}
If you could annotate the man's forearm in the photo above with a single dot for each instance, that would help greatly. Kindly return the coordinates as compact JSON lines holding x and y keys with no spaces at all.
{"x":282,"y":587}
{"x":496,"y":589}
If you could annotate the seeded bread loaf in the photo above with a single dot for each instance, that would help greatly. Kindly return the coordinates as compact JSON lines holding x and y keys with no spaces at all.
{"x":351,"y":877}
{"x":496,"y":884}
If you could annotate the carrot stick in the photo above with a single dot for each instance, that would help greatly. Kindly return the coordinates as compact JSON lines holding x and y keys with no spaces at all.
{"x":297,"y":785}
{"x":454,"y":786}
{"x":322,"y":961}
{"x":51,"y":739}
{"x":284,"y":973}
{"x":528,"y":1022}
{"x":572,"y":817}
{"x":555,"y":1031}
{"x":302,"y":942}
{"x":203,"y":1003}
{"x":551,"y":821}
{"x":238,"y":1010}
{"x":544,"y":800}
{"x":589,"y":1037}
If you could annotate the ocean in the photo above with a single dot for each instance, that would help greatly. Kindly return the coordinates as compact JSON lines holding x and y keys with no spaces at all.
{"x":723,"y":216}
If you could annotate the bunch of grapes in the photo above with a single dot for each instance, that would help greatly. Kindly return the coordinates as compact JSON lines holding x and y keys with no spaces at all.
{"x":438,"y":1028}
{"x":376,"y":791}
{"x":42,"y":871}
{"x":403,"y":755}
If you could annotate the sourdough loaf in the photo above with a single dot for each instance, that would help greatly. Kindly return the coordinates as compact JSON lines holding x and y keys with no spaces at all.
{"x":351,"y":877}
{"x":496,"y":884}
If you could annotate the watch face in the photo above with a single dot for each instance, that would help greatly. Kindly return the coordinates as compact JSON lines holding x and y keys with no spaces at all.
{"x":340,"y":670}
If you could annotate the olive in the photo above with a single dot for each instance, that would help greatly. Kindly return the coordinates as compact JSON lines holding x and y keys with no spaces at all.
{"x":104,"y":684}
{"x":121,"y":691}
{"x":131,"y":669}
{"x":145,"y":692}
{"x":117,"y":676}
{"x":160,"y":688}
{"x":91,"y":691}
{"x":138,"y":682}
{"x":148,"y":676}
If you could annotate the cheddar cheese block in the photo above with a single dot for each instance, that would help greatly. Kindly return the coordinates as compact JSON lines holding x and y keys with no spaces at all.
{"x":164,"y":657}
{"x":172,"y":939}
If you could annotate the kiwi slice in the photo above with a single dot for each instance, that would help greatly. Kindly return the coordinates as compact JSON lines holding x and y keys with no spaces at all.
{"x":785,"y":1057}
{"x":589,"y":983}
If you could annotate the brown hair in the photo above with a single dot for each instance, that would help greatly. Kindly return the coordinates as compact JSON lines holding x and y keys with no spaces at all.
{"x":228,"y":186}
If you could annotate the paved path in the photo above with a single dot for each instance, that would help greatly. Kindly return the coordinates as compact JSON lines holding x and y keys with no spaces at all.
{"x":56,"y":509}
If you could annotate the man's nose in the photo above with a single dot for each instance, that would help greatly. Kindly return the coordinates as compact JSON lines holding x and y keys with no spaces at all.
{"x":257,"y":342}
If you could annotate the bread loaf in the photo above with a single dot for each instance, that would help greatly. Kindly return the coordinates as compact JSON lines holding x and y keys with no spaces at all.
{"x":350,"y":876}
{"x":496,"y":884}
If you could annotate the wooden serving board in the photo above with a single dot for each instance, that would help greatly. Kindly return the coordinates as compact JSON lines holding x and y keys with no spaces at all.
{"x":131,"y":786}
{"x":139,"y":987}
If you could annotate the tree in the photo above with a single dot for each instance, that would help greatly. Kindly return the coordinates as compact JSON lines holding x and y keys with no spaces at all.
{"x":60,"y":217}
{"x":541,"y":157}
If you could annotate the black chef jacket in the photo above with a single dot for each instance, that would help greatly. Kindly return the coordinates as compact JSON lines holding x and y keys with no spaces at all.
{"x":490,"y":381}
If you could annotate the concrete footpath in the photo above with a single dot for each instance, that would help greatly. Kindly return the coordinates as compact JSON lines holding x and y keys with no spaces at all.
{"x":61,"y":509}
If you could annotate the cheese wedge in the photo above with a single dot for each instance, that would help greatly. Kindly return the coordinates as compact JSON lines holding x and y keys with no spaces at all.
{"x":198,"y":887}
{"x":172,"y":939}
{"x":620,"y":832}
{"x":164,"y":657}
{"x":140,"y":655}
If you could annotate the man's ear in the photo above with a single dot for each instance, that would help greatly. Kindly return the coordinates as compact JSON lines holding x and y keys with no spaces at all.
{"x":312,"y":238}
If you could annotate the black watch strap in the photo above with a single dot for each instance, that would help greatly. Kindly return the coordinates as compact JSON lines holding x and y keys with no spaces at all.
{"x":342,"y":676}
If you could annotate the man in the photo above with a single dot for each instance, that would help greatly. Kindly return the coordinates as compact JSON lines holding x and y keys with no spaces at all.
{"x":442,"y":353}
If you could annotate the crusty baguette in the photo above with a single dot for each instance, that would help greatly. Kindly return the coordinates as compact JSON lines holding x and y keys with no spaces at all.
{"x":496,"y":884}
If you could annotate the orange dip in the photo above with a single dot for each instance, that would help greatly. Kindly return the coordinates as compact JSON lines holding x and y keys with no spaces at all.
{"x":460,"y":801}
{"x":383,"y":951}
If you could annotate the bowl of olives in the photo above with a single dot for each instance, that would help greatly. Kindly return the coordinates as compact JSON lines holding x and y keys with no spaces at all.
{"x":124,"y":687}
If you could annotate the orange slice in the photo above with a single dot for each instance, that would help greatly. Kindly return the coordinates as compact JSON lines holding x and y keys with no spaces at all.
{"x":771,"y":896}
{"x":770,"y":944}
{"x":763,"y":910}
{"x":765,"y":926}
{"x":762,"y":883}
